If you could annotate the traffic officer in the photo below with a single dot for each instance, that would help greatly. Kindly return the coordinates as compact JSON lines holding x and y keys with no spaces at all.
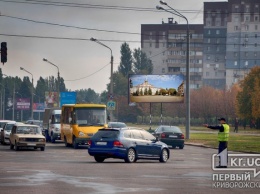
{"x":223,"y":136}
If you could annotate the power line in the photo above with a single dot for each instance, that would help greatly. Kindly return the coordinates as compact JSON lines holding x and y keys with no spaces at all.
{"x":89,"y":74}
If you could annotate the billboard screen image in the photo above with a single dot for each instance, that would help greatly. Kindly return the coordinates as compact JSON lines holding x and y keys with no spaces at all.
{"x":156,"y":88}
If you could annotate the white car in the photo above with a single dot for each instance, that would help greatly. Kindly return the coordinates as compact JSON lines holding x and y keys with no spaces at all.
{"x":3,"y":137}
{"x":5,"y":132}
{"x":24,"y":135}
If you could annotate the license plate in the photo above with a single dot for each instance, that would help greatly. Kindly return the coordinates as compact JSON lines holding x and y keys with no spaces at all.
{"x":173,"y":136}
{"x":101,"y":143}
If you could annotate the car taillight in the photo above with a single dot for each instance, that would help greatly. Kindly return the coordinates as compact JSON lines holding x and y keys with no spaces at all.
{"x":89,"y":142}
{"x":163,"y":135}
{"x":118,"y":144}
{"x":182,"y":136}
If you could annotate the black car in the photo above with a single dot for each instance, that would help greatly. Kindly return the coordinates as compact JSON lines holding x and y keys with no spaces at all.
{"x":171,"y":135}
{"x":128,"y":144}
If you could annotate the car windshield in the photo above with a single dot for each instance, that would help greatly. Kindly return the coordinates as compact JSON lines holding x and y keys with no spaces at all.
{"x":9,"y":127}
{"x":117,"y":125}
{"x":106,"y":134}
{"x":90,"y":116}
{"x":28,"y":130}
{"x":2,"y":124}
{"x":172,"y":129}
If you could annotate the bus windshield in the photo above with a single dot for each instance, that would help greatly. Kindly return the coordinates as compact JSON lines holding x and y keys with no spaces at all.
{"x":90,"y":116}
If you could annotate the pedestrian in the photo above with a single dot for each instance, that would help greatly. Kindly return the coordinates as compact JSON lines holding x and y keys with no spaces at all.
{"x":236,"y":125}
{"x":223,"y":136}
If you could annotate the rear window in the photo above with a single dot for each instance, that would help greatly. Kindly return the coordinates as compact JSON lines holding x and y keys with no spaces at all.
{"x":106,"y":134}
{"x":169,"y":129}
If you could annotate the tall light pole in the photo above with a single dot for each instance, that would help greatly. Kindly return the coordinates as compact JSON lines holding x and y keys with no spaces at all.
{"x":21,"y":68}
{"x":58,"y":87}
{"x":111,"y":73}
{"x":175,"y":12}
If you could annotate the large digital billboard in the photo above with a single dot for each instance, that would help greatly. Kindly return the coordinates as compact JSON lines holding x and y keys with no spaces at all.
{"x":155,"y":88}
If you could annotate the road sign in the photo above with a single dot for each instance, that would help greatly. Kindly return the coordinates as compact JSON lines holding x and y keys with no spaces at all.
{"x":111,"y":105}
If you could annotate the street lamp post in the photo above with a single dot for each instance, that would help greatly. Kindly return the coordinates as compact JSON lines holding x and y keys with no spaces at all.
{"x":21,"y":68}
{"x":187,"y":65}
{"x":58,"y":87}
{"x":111,"y":73}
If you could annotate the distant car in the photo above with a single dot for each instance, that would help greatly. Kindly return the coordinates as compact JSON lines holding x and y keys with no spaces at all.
{"x":5,"y":132}
{"x":171,"y":135}
{"x":128,"y":144}
{"x":3,"y":122}
{"x":25,"y":135}
{"x":36,"y":122}
{"x":116,"y":125}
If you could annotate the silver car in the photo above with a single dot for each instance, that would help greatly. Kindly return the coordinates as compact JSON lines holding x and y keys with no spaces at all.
{"x":5,"y":132}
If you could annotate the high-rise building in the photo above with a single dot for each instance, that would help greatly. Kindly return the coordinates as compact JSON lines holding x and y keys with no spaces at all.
{"x":166,"y":46}
{"x":243,"y":39}
{"x":222,"y":50}
{"x":215,"y":31}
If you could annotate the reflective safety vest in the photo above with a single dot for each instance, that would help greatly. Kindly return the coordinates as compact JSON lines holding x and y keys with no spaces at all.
{"x":223,"y":136}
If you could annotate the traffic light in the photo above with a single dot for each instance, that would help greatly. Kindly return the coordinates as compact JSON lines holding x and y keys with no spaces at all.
{"x":3,"y":52}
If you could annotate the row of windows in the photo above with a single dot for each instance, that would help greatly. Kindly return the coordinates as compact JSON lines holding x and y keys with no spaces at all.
{"x":236,"y":8}
{"x":246,"y":18}
{"x":193,"y":61}
{"x":183,"y":53}
{"x":217,"y":23}
{"x":245,"y":27}
{"x":216,"y":73}
{"x":245,"y":63}
{"x":245,"y":44}
{"x":246,"y":54}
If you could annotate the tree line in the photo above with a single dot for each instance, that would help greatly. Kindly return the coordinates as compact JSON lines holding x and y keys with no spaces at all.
{"x":207,"y":104}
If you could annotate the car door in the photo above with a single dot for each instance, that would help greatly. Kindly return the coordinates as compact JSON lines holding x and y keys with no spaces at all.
{"x":151,"y":146}
{"x":139,"y":142}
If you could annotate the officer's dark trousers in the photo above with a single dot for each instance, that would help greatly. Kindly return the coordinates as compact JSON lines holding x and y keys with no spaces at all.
{"x":221,"y":146}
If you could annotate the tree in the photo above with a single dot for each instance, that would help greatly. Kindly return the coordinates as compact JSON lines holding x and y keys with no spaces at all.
{"x":248,"y":98}
{"x":141,"y":64}
{"x":125,"y":66}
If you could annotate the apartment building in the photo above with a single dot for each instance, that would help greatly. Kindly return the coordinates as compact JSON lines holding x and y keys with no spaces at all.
{"x":215,"y":31}
{"x":166,"y":46}
{"x":243,"y":39}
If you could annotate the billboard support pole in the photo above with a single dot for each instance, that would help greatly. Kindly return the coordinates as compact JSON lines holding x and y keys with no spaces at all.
{"x":150,"y":116}
{"x":161,"y":113}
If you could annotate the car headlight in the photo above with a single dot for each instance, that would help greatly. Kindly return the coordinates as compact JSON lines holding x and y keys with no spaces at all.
{"x":41,"y":140}
{"x":81,"y":133}
{"x":21,"y":139}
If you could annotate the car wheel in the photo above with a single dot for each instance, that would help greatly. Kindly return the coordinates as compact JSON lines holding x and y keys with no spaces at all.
{"x":52,"y":139}
{"x":75,"y":144}
{"x":11,"y":146}
{"x":164,"y":156}
{"x":131,"y":156}
{"x":42,"y":148}
{"x":99,"y":159}
{"x":181,"y":146}
{"x":16,"y":147}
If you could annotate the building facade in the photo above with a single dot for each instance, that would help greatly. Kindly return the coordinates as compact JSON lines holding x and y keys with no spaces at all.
{"x":222,"y":50}
{"x":215,"y":31}
{"x":166,"y":46}
{"x":243,"y":39}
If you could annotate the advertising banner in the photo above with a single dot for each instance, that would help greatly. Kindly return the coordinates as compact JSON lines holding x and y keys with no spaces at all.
{"x":68,"y":98}
{"x":51,"y":99}
{"x":23,"y":103}
{"x":155,"y":88}
{"x":38,"y":107}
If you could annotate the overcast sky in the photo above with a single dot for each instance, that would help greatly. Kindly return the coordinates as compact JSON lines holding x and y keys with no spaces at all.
{"x":78,"y":58}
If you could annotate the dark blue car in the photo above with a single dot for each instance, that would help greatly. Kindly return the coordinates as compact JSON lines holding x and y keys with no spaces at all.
{"x":128,"y":144}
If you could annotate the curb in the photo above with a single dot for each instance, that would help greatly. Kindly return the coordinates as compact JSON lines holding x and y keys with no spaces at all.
{"x":199,"y":145}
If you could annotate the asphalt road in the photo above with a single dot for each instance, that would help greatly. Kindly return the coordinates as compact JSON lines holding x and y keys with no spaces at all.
{"x":67,"y":171}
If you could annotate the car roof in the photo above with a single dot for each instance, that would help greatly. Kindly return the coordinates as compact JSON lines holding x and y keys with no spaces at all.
{"x":26,"y":125}
{"x":14,"y":122}
{"x":3,"y":121}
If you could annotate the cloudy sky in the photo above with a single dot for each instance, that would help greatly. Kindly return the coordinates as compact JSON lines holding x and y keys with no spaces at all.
{"x":78,"y":58}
